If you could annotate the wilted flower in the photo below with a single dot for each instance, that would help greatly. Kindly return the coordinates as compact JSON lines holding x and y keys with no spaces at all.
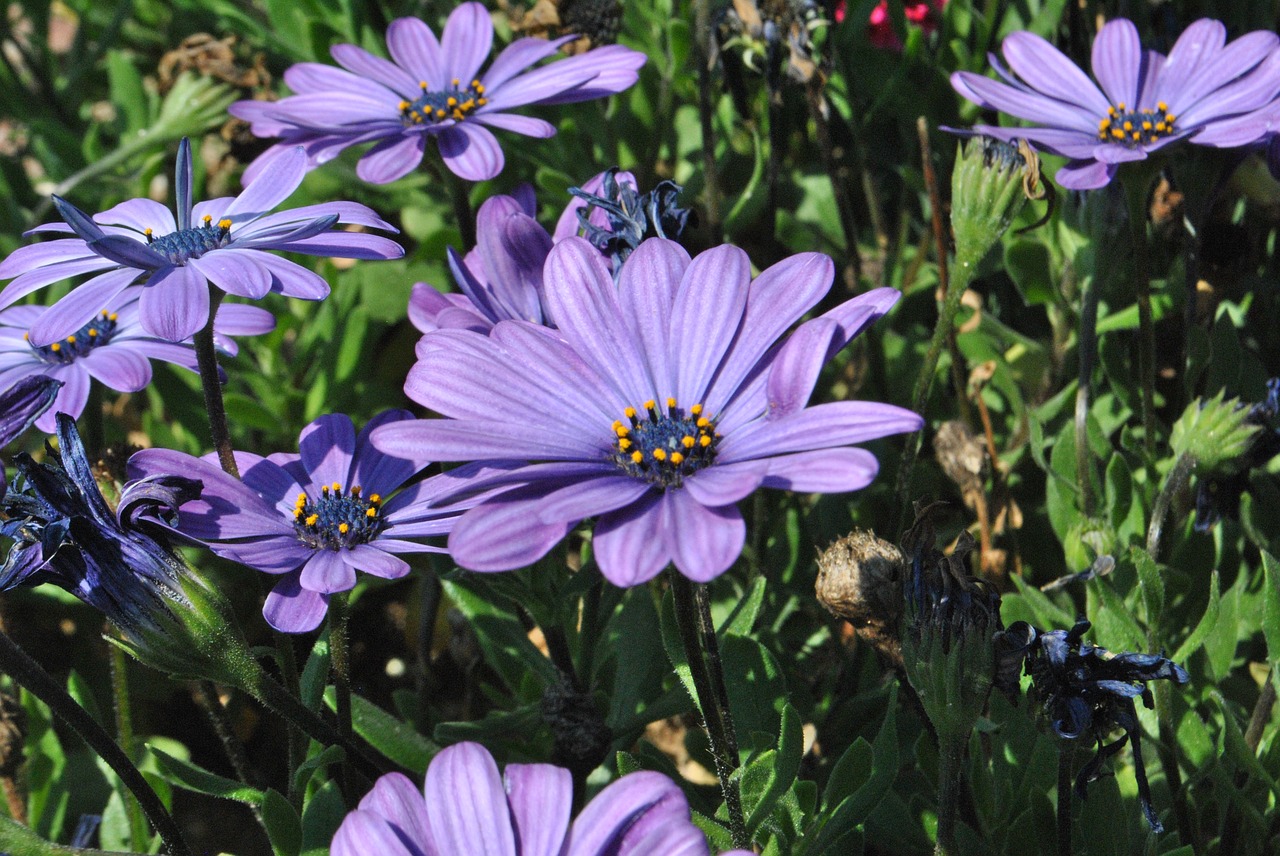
{"x":112,"y":349}
{"x":1087,"y":692}
{"x":1205,"y":91}
{"x":119,"y":562}
{"x":629,"y":216}
{"x":314,"y":518}
{"x":467,"y":807}
{"x":1219,"y":495}
{"x":656,"y":405}
{"x":21,"y":404}
{"x":430,"y":89}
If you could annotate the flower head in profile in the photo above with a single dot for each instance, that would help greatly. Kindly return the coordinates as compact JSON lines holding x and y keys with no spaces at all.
{"x":226,"y":243}
{"x":312,"y":518}
{"x":657,"y":404}
{"x":21,"y":404}
{"x":112,"y":349}
{"x":1205,"y":91}
{"x":431,"y":89}
{"x":467,"y":807}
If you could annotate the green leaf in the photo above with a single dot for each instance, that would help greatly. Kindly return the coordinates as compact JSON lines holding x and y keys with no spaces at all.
{"x":1047,"y":613}
{"x":395,"y":739}
{"x":756,"y":688}
{"x":744,"y":614}
{"x":318,"y":761}
{"x":779,"y":771}
{"x":675,"y":648}
{"x":191,"y":777}
{"x":850,"y":772}
{"x":1193,"y":642}
{"x":321,"y":818}
{"x":1029,"y":266}
{"x":1214,"y":432}
{"x":1271,"y":606}
{"x":315,"y":674}
{"x":1150,"y":583}
{"x":282,"y":823}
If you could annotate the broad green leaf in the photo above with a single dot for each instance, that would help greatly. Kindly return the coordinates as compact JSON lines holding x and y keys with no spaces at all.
{"x":282,"y":823}
{"x":1271,"y":606}
{"x":191,"y":777}
{"x":321,"y":818}
{"x":392,"y":737}
{"x":780,"y":770}
{"x":1193,"y":642}
{"x":1151,"y":584}
{"x":743,"y":616}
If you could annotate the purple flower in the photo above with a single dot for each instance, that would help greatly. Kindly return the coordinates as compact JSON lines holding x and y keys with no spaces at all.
{"x":467,"y":807}
{"x":314,"y":518}
{"x":222,"y":241}
{"x":112,"y":349}
{"x":1205,"y":91}
{"x":657,"y":404}
{"x":429,"y":89}
{"x":21,"y":404}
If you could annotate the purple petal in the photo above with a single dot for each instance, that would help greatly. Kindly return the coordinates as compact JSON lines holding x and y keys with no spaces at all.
{"x":837,"y":423}
{"x":293,"y":280}
{"x":326,"y":572}
{"x":670,"y":840}
{"x":1190,"y":56}
{"x":272,"y":481}
{"x":127,"y":250}
{"x":399,"y":802}
{"x":235,"y":272}
{"x":1024,"y":104}
{"x":1117,"y":63}
{"x":627,"y":810}
{"x":823,"y":471}
{"x":363,"y":832}
{"x":526,"y":125}
{"x":466,"y":804}
{"x":703,"y":541}
{"x":514,"y":251}
{"x":35,"y":256}
{"x":71,"y":399}
{"x":175,"y":303}
{"x":293,"y":609}
{"x":470,"y":151}
{"x":349,"y":213}
{"x":502,"y":535}
{"x":276,"y":554}
{"x":629,"y":544}
{"x":452,"y":440}
{"x":327,"y":446}
{"x":36,"y":279}
{"x":118,"y":368}
{"x":590,"y":497}
{"x":611,"y":69}
{"x":391,"y":159}
{"x":796,"y":368}
{"x":1045,"y":69}
{"x":375,"y":471}
{"x":269,"y":188}
{"x":518,"y":56}
{"x":79,"y":306}
{"x":347,"y":245}
{"x":182,"y":183}
{"x":139,"y":215}
{"x":1183,"y":89}
{"x":365,"y":64}
{"x":314,"y":77}
{"x":647,"y":288}
{"x":723,"y":484}
{"x":414,"y":48}
{"x":705,"y":318}
{"x":554,"y":367}
{"x":236,"y":319}
{"x":541,"y":798}
{"x":371,"y":560}
{"x":465,"y":43}
{"x":1085,"y":174}
{"x":1255,"y":90}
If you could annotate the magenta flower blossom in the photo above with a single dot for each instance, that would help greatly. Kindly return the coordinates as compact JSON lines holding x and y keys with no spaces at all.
{"x":466,"y":807}
{"x":314,"y":518}
{"x":225,"y":242}
{"x":1206,"y":91}
{"x":431,"y":89}
{"x":112,"y":349}
{"x":655,"y":406}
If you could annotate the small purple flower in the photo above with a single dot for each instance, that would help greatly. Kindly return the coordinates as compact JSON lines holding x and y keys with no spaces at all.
{"x":1206,"y":91}
{"x":314,"y":518}
{"x":655,"y":406}
{"x":467,"y":807}
{"x":112,"y":349}
{"x":431,"y":89}
{"x":226,"y":242}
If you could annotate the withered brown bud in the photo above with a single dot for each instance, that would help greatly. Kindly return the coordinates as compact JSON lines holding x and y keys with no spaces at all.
{"x":962,"y":456}
{"x":860,"y":580}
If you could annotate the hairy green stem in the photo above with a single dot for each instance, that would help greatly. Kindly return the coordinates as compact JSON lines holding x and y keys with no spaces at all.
{"x":703,"y":34}
{"x":1088,"y":358}
{"x":207,"y":361}
{"x":1066,"y":752}
{"x":340,"y":666}
{"x":1174,"y":482}
{"x":950,"y":789}
{"x":139,"y":837}
{"x":18,"y":665}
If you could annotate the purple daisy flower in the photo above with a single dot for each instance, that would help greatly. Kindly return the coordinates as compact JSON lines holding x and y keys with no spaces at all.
{"x":655,"y":406}
{"x":112,"y":349}
{"x":226,"y":242}
{"x":1206,"y":91}
{"x":314,"y":518}
{"x":431,"y":89}
{"x":467,"y":807}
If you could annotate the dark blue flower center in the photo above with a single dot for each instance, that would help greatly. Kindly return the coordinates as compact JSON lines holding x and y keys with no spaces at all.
{"x":191,"y":243}
{"x":338,"y":518}
{"x":431,"y":107}
{"x":664,"y":448}
{"x":92,"y":335}
{"x":1134,"y":128}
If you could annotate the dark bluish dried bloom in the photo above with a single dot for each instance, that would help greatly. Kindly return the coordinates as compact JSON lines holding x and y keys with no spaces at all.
{"x":21,"y":405}
{"x":1219,"y":496}
{"x":632,"y":216}
{"x":1087,"y":692}
{"x":119,"y":562}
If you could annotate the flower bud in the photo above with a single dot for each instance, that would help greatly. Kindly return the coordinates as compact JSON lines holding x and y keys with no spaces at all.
{"x":991,"y":182}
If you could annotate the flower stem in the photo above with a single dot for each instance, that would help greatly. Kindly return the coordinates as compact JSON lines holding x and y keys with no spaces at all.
{"x":1173,"y":483}
{"x":950,"y":788}
{"x":1088,"y":358}
{"x":460,"y":198}
{"x":1066,"y":752}
{"x":704,"y":33}
{"x":819,"y":112}
{"x":139,"y":837}
{"x":697,"y":634}
{"x":1136,"y":191}
{"x":340,"y":666}
{"x":18,"y":665}
{"x":207,"y":698}
{"x":207,"y":360}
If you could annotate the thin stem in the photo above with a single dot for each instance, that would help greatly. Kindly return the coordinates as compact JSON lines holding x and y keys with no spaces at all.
{"x":207,"y":360}
{"x":139,"y":837}
{"x":429,"y":592}
{"x":712,"y":698}
{"x":18,"y":665}
{"x":819,"y":111}
{"x":710,"y":175}
{"x":340,"y":667}
{"x":1088,"y":357}
{"x":460,"y":198}
{"x":1066,"y":751}
{"x":950,"y":788}
{"x":1137,"y":193}
{"x":1174,"y":482}
{"x":210,"y":702}
{"x":1261,"y":713}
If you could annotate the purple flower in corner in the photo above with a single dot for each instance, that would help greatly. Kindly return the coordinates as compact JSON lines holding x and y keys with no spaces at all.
{"x":431,"y":89}
{"x":1205,"y":91}
{"x":467,"y":807}
{"x":314,"y":518}
{"x":655,"y":406}
{"x":225,"y":242}
{"x":112,"y":349}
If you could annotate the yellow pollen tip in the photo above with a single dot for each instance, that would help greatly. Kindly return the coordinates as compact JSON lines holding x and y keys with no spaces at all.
{"x":475,"y":84}
{"x":112,"y":317}
{"x":630,"y":413}
{"x":337,"y":488}
{"x":224,"y":223}
{"x":302,"y":498}
{"x":439,"y":113}
{"x":696,"y":410}
{"x":650,"y":404}
{"x":624,"y":444}
{"x":659,"y":455}
{"x":297,"y":514}
{"x":404,"y":105}
{"x":704,"y":441}
{"x":1121,"y":105}
{"x":355,"y":490}
{"x":26,"y":337}
{"x":1137,"y":135}
{"x":208,"y":218}
{"x":1162,"y":107}
{"x":703,"y":422}
{"x":636,"y":457}
{"x":622,"y":431}
{"x":344,"y":528}
{"x":1169,"y":117}
{"x":677,"y":458}
{"x":452,"y":102}
{"x":312,"y":519}
{"x":92,"y":332}
{"x":482,"y":101}
{"x":55,"y":347}
{"x":147,"y":231}
{"x":422,"y":84}
{"x":71,"y":340}
{"x":456,"y":81}
{"x":671,"y":402}
{"x":372,"y":512}
{"x":375,"y":498}
{"x":687,"y":442}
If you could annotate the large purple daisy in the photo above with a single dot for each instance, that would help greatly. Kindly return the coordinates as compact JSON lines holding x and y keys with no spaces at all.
{"x":656,"y":405}
{"x":431,"y":89}
{"x":112,"y":349}
{"x":467,"y":807}
{"x":1205,"y":91}
{"x":314,"y":518}
{"x":226,"y":242}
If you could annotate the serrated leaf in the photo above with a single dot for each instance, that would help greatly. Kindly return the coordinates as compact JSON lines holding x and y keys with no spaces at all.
{"x":1214,"y":432}
{"x":191,"y":777}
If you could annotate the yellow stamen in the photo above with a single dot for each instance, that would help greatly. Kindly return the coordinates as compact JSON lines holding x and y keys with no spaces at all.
{"x":92,"y":332}
{"x":630,"y":412}
{"x":55,"y":347}
{"x":71,"y":340}
{"x":677,"y":459}
{"x":659,"y":455}
{"x":636,"y":457}
{"x":355,"y":490}
{"x":671,"y":402}
{"x":313,"y":519}
{"x":687,"y":442}
{"x":224,"y":224}
{"x":111,"y":317}
{"x":344,"y":528}
{"x":375,"y":498}
{"x":371,"y":512}
{"x":624,"y":444}
{"x":704,"y":441}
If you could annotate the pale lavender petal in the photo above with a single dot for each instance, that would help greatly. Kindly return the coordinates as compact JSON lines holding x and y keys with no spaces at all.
{"x":235,"y":272}
{"x":414,"y":48}
{"x":703,"y":541}
{"x":707,"y":313}
{"x":529,"y":126}
{"x":118,"y":368}
{"x":365,"y":64}
{"x":293,"y":280}
{"x":327,"y":446}
{"x":79,"y":306}
{"x":1045,"y":68}
{"x":855,"y":315}
{"x":518,"y":56}
{"x":363,"y":833}
{"x":723,"y":484}
{"x":347,"y":245}
{"x":392,"y":159}
{"x":502,"y":535}
{"x":326,"y":572}
{"x":1085,"y":174}
{"x":629,"y":545}
{"x":627,"y":810}
{"x":466,"y":42}
{"x":314,"y":77}
{"x":371,"y":560}
{"x":1254,"y":90}
{"x":26,"y":283}
{"x":275,"y":554}
{"x":553,"y":366}
{"x":796,"y":368}
{"x":541,"y":799}
{"x":612,"y":68}
{"x":349,"y":213}
{"x":275,"y":484}
{"x":823,"y":471}
{"x":675,"y":839}
{"x":375,"y":471}
{"x":1024,"y":104}
{"x":589,"y":497}
{"x":541,"y":85}
{"x":1238,"y":131}
{"x":466,"y":805}
{"x":373,"y":113}
{"x":270,"y":188}
{"x":175,"y":303}
{"x":452,"y":440}
{"x":1217,"y":70}
{"x":1190,"y":57}
{"x":836,"y":423}
{"x":470,"y":151}
{"x":1117,"y":63}
{"x":1111,"y":153}
{"x":398,"y":801}
{"x":139,"y":215}
{"x":34,"y":256}
{"x":71,"y":398}
{"x":647,"y":287}
{"x":292,"y":609}
{"x":236,"y":319}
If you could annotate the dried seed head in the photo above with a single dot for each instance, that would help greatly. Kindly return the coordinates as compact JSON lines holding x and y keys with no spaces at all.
{"x":860,"y":579}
